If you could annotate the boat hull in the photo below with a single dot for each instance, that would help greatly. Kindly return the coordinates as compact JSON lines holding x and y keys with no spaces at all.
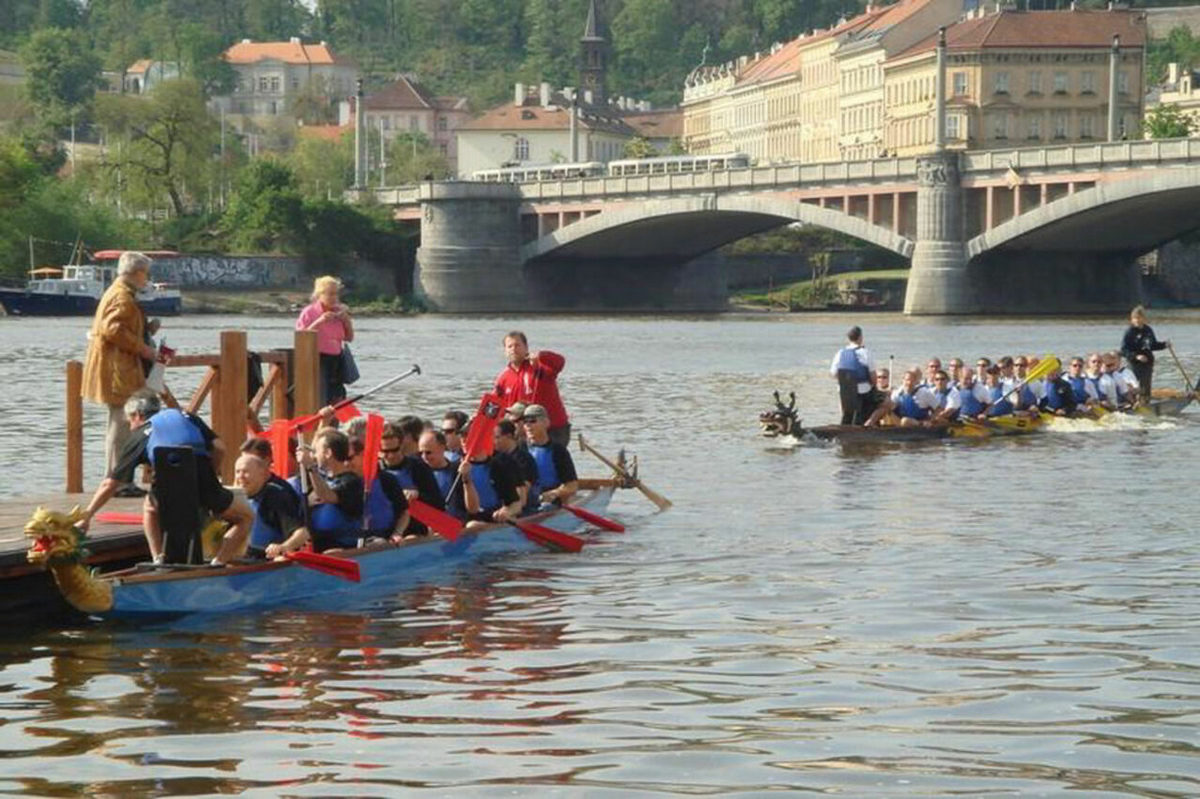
{"x":18,"y":302}
{"x":992,"y":428}
{"x":383,"y":569}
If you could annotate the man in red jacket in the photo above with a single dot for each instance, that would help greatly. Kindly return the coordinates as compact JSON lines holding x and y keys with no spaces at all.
{"x":533,"y":379}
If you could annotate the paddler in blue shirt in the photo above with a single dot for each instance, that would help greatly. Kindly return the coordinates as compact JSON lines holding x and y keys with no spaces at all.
{"x":1083,"y":392}
{"x":949,"y":401}
{"x":913,"y":403}
{"x":998,"y":402}
{"x":557,"y":481}
{"x":335,"y":492}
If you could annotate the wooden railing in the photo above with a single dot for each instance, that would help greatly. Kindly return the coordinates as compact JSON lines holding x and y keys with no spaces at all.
{"x":225,"y":387}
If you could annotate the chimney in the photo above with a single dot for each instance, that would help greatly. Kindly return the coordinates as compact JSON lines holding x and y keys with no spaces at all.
{"x":1173,"y":73}
{"x":544,"y":94}
{"x":519,"y":94}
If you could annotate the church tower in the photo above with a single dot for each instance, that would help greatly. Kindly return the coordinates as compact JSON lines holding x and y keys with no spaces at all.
{"x":593,"y":66}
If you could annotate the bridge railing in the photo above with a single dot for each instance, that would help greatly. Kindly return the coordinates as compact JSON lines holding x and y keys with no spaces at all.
{"x":1098,"y":155}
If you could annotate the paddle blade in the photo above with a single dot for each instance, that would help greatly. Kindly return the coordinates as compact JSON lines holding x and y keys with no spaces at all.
{"x":483,"y":426}
{"x":281,"y":451}
{"x":549,"y":538}
{"x":370,"y":462}
{"x":344,"y":413}
{"x":344,"y":568}
{"x":439,"y":521}
{"x":595,"y":518}
{"x":117,"y":517}
{"x":1044,"y":367}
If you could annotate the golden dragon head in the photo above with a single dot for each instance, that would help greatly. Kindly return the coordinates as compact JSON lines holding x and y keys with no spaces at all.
{"x":55,"y":538}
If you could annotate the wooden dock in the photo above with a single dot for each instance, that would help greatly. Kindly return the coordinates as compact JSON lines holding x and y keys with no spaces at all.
{"x":292,"y":387}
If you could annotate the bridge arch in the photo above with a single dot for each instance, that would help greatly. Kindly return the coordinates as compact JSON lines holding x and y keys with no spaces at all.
{"x":689,"y":227}
{"x":1132,"y":215}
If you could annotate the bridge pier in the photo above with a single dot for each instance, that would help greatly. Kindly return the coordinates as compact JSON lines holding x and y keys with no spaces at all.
{"x":939,"y":282}
{"x":469,"y":260}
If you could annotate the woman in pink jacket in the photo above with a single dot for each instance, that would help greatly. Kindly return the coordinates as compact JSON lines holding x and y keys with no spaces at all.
{"x":331,"y":321}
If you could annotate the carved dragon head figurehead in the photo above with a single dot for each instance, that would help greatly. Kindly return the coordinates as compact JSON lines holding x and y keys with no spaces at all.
{"x":57,"y":542}
{"x":55,"y":538}
{"x":783,"y":420}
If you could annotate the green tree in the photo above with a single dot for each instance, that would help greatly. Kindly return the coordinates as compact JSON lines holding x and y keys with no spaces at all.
{"x":169,"y":139}
{"x":412,"y":158}
{"x":639,"y":148}
{"x":1168,"y":121}
{"x":18,"y":173}
{"x":266,"y":211}
{"x":323,"y":168}
{"x":63,"y":74}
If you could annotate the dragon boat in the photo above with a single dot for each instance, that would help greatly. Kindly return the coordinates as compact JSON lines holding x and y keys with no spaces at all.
{"x":147,"y":591}
{"x":784,"y":420}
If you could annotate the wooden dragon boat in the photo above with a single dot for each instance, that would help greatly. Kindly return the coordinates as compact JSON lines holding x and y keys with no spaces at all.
{"x":155,"y":591}
{"x":784,"y":420}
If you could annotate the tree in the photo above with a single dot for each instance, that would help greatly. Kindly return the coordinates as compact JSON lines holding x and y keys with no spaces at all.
{"x":1168,"y":121}
{"x":411,"y":158}
{"x":63,"y":74}
{"x":169,"y":138}
{"x":639,"y":148}
{"x":323,"y":167}
{"x":266,"y":212}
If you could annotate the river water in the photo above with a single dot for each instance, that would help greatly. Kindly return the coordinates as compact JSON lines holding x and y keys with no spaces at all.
{"x":1017,"y":617}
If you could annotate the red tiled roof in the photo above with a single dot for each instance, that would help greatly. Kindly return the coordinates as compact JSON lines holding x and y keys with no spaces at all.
{"x":325,"y":132}
{"x":140,"y":66}
{"x":664,"y":124}
{"x":1051,"y":29}
{"x":401,"y":93}
{"x":290,"y":52}
{"x":532,"y":116}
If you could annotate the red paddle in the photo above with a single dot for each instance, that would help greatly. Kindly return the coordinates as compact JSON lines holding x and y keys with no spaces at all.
{"x":547,"y":537}
{"x":344,"y":568}
{"x":595,"y":518}
{"x":117,"y":517}
{"x":439,"y":521}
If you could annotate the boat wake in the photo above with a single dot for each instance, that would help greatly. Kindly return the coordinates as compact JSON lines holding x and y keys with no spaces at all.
{"x":1113,"y":422}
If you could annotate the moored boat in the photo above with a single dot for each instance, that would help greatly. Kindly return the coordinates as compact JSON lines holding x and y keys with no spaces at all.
{"x":143,"y":592}
{"x":75,"y":290}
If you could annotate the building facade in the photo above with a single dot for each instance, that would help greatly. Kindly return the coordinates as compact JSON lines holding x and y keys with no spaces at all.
{"x":1017,"y":78}
{"x":274,"y":77}
{"x":1181,"y":88}
{"x":405,"y":106}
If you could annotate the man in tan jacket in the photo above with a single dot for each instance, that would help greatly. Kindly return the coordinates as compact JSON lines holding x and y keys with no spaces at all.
{"x":113,"y":368}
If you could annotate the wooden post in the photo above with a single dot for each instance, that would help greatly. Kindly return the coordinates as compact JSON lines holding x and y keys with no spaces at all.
{"x":230,"y":398}
{"x":306,"y":377}
{"x":279,"y":393}
{"x":74,"y":427}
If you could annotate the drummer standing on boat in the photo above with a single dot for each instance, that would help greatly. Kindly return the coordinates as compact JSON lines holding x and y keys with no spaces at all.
{"x":854,"y":369}
{"x":533,"y":379}
{"x":112,"y":371}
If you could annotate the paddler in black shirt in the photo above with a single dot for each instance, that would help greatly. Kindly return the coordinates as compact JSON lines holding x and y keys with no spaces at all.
{"x":1138,"y":346}
{"x":278,"y":526}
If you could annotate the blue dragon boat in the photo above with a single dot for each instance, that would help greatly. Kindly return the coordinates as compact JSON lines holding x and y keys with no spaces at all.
{"x":145,"y":592}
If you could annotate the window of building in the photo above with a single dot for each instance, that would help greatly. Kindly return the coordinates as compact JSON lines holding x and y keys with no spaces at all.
{"x":414,"y":122}
{"x":443,"y":123}
{"x":1000,"y":126}
{"x":275,"y":85}
{"x":1060,"y":125}
{"x":1087,"y":82}
{"x":952,"y":127}
{"x":960,"y":84}
{"x":1001,"y":83}
{"x":1035,"y":127}
{"x":1060,"y":83}
{"x":1123,"y":81}
{"x":444,"y":149}
{"x":1035,"y":82}
{"x":1087,"y":129}
{"x":263,"y":84}
{"x":521,"y":149}
{"x":295,"y":84}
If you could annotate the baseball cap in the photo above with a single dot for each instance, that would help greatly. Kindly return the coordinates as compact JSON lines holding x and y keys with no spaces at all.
{"x":515,"y":411}
{"x":535,"y":412}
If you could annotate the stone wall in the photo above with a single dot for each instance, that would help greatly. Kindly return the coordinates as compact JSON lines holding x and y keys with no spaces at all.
{"x":271,"y":273}
{"x":1179,"y":271}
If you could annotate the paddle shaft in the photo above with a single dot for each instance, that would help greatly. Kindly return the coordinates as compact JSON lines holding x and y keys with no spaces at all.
{"x":1044,"y":367}
{"x":1187,"y":381}
{"x":658,"y":499}
{"x":305,"y":421}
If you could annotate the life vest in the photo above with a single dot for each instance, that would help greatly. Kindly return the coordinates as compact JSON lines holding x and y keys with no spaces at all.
{"x":1078,"y":388}
{"x":333,"y":528}
{"x":971,"y":406}
{"x":261,"y":533}
{"x":403,"y":475}
{"x":943,"y":397}
{"x":453,"y":456}
{"x":294,"y":482}
{"x":1054,"y":400}
{"x":481,"y":478}
{"x":1095,"y":381}
{"x":380,"y":515}
{"x":848,"y":362}
{"x":170,"y":428}
{"x":543,"y":455}
{"x":1000,"y":406}
{"x":906,"y":406}
{"x":445,"y":479}
{"x":1027,"y":398}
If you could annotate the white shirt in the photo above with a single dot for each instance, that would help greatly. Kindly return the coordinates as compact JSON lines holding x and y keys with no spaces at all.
{"x":922,"y":396}
{"x":864,"y":357}
{"x":1108,"y":388}
{"x":952,"y":402}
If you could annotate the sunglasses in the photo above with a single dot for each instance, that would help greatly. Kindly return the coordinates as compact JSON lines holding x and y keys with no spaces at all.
{"x":449,"y":430}
{"x":389,"y":450}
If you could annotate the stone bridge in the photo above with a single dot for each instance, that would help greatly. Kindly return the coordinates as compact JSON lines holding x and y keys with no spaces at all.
{"x":1043,"y":229}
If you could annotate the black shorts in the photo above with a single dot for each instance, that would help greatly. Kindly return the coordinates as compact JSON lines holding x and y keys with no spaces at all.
{"x":213,"y":496}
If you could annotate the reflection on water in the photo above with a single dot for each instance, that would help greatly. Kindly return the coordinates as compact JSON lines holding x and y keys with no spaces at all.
{"x":946,"y":618}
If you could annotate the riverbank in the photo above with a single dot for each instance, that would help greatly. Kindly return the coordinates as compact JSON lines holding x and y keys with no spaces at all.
{"x":285,"y":302}
{"x":880,"y":289}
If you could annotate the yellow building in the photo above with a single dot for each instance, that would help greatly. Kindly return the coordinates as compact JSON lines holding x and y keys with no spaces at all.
{"x":1018,"y":78}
